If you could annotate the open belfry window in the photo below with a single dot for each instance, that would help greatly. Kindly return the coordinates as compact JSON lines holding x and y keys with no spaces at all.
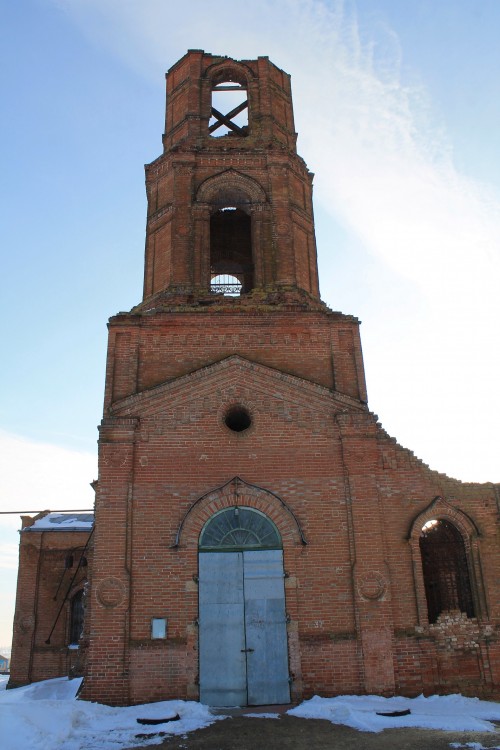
{"x":231,"y":263}
{"x":229,"y":110}
{"x":445,"y":569}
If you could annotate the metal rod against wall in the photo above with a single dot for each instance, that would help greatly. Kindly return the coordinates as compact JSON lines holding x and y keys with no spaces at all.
{"x":69,"y":588}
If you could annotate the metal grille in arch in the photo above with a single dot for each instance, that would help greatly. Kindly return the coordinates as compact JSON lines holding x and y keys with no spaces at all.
{"x":239,"y":528}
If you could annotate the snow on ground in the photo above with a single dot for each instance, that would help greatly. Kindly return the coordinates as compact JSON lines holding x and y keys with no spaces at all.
{"x":46,"y":715}
{"x":449,"y":712}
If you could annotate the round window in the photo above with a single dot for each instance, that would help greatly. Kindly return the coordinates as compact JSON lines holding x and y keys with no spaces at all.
{"x":238,"y":419}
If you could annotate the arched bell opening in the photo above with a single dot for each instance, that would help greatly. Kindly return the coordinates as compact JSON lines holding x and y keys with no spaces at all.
{"x":229,"y":110}
{"x":231,"y":261}
{"x":229,"y":232}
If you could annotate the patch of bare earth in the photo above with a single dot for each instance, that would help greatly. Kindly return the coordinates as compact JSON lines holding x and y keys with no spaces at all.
{"x":291,"y":733}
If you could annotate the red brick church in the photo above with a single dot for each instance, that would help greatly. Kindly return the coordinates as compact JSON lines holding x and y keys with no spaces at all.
{"x":259,"y":537}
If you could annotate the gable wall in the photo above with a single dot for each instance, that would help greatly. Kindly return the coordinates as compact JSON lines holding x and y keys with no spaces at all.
{"x":177,"y":452}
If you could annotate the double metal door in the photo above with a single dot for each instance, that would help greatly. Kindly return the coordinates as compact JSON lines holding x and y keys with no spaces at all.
{"x":242,"y":621}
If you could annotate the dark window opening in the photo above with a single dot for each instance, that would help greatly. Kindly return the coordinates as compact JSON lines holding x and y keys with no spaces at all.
{"x":238,"y":419}
{"x":76,"y":618}
{"x":231,"y":251}
{"x":68,"y":563}
{"x":229,"y":112}
{"x":445,"y":569}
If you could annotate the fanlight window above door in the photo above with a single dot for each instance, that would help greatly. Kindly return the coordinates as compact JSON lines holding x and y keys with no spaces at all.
{"x":238,"y":529}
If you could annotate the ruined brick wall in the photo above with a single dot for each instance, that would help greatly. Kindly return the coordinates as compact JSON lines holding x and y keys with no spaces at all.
{"x":455,"y":654}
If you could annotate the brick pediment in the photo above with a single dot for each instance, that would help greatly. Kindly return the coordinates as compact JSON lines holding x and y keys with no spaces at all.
{"x":234,"y":378}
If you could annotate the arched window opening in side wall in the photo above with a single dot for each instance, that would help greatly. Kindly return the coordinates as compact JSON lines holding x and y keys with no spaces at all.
{"x":231,"y":251}
{"x":229,"y":111}
{"x":445,"y":569}
{"x":76,"y":618}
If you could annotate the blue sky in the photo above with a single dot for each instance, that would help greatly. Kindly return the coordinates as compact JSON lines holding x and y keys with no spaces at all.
{"x":397,"y":107}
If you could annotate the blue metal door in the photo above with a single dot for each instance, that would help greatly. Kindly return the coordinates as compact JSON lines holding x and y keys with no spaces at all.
{"x":265,"y":627}
{"x":222,"y":637}
{"x":243,"y":639}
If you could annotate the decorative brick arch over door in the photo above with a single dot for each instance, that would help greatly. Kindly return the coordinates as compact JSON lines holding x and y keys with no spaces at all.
{"x":241,"y":493}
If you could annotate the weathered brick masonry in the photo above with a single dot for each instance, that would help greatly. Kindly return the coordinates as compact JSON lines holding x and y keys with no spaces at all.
{"x":258,"y":401}
{"x":54,"y":554}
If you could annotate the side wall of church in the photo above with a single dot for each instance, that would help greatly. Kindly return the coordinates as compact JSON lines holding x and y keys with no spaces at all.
{"x":456,"y":653}
{"x":45,"y":587}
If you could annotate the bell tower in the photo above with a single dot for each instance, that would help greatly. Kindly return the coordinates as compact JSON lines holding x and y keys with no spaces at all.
{"x":218,"y":384}
{"x":229,"y":200}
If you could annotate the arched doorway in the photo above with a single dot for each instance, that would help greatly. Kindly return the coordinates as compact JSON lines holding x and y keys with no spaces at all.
{"x":242,"y":621}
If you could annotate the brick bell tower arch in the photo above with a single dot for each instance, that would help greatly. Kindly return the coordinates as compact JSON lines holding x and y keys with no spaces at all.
{"x":237,"y":211}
